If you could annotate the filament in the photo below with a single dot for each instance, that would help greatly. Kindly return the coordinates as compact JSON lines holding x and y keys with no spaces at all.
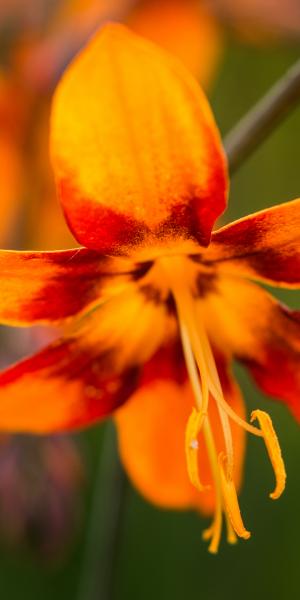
{"x":214,"y":531}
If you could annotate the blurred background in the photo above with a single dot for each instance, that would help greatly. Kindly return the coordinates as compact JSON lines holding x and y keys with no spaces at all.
{"x":63,"y":500}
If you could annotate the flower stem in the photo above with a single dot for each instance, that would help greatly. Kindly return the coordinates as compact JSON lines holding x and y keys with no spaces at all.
{"x":105,"y":517}
{"x":260,"y":121}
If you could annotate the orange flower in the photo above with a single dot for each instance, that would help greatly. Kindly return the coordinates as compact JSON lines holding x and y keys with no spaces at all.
{"x":187,"y":28}
{"x":11,"y":123}
{"x":155,"y":307}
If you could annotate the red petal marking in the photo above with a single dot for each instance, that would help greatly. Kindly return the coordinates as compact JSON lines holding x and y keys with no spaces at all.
{"x":167,"y":363}
{"x":49,"y":286}
{"x":277,"y":371}
{"x":265,"y":245}
{"x":111,"y":231}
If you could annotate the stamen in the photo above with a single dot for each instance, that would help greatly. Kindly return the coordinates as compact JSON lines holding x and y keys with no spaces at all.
{"x":231,"y":500}
{"x":192,"y":346}
{"x":231,"y":536}
{"x":205,"y":362}
{"x":205,"y":381}
{"x":200,"y":340}
{"x":191,"y":448}
{"x":273,"y":449}
{"x":213,"y":372}
{"x":195,"y":423}
{"x":201,"y":391}
{"x":204,"y":354}
{"x":214,"y":531}
{"x":241,"y":422}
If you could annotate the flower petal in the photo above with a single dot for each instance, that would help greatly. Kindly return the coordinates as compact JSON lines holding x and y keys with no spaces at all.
{"x":61,"y":388}
{"x":264,"y":246}
{"x":85,"y":375}
{"x":184,"y":27}
{"x":49,"y":286}
{"x":152,"y":427}
{"x":132,"y":326}
{"x":136,"y":152}
{"x":259,"y":331}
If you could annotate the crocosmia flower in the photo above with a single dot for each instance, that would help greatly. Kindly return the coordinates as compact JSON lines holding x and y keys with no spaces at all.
{"x":155,"y":306}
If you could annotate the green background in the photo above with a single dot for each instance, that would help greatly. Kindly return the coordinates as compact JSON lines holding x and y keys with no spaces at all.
{"x":160,"y":554}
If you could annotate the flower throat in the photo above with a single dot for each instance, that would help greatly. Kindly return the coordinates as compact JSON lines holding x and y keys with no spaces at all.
{"x":206,"y":386}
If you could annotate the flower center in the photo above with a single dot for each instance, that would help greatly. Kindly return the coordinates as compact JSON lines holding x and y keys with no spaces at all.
{"x":205,"y":382}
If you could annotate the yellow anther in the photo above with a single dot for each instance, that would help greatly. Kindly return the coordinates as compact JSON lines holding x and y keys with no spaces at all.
{"x":193,"y":428}
{"x":231,"y":536}
{"x":231,"y":501}
{"x":208,"y":532}
{"x":213,"y":533}
{"x":273,"y":449}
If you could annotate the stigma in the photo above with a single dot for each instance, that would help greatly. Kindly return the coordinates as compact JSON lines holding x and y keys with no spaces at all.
{"x":207,"y":388}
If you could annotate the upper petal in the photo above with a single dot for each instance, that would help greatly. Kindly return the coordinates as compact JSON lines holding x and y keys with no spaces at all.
{"x":49,"y":286}
{"x":136,"y":152}
{"x":265,"y":245}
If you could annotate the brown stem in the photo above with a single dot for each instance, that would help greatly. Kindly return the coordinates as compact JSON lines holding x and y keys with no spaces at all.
{"x":260,"y":121}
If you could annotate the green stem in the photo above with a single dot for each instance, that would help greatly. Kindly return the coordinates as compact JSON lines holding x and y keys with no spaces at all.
{"x":260,"y":121}
{"x":105,"y":517}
